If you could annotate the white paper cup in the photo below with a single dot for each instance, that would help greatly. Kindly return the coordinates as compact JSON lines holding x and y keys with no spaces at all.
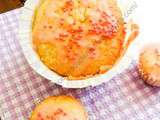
{"x":25,"y":39}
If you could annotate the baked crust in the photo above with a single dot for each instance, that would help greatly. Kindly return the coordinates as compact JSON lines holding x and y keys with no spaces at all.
{"x":79,"y":39}
{"x":59,"y":108}
{"x":149,"y":64}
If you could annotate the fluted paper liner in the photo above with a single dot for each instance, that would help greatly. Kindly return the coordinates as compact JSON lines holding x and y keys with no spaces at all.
{"x":147,"y":77}
{"x":25,"y":39}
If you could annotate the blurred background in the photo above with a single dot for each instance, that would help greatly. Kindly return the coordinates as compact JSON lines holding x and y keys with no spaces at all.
{"x":6,"y":5}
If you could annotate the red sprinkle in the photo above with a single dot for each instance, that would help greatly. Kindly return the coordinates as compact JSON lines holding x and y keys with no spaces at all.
{"x":105,"y":15}
{"x":78,"y":37}
{"x":68,"y":6}
{"x":92,"y":52}
{"x":61,"y":36}
{"x":57,"y":114}
{"x":61,"y":21}
{"x":58,"y":111}
{"x":50,"y":27}
{"x":92,"y":49}
{"x":71,"y":54}
{"x":106,"y":26}
{"x":39,"y":114}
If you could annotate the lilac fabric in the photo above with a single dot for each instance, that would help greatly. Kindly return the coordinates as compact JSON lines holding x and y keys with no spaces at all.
{"x":126,"y":97}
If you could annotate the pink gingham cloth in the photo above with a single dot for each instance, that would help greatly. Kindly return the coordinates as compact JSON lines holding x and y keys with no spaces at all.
{"x":126,"y":97}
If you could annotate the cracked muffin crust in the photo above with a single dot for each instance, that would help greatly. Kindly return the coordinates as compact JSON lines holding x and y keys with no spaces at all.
{"x":59,"y":108}
{"x":149,"y":64}
{"x":79,"y":38}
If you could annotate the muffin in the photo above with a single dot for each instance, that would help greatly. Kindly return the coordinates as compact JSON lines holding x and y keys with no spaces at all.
{"x":79,"y":38}
{"x":59,"y":108}
{"x":149,"y":64}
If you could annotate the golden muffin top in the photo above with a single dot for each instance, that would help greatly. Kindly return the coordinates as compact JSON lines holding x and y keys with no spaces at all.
{"x":150,"y":64}
{"x":78,"y":38}
{"x":59,"y":108}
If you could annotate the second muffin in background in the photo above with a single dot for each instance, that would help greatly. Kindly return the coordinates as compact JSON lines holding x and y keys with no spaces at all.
{"x":149,"y":64}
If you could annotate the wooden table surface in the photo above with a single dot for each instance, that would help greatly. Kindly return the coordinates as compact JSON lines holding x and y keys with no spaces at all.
{"x":6,"y":5}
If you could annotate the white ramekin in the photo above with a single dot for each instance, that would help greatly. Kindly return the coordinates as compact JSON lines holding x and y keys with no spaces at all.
{"x":25,"y":39}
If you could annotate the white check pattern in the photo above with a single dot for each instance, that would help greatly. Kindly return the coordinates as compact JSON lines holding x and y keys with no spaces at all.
{"x":126,"y":97}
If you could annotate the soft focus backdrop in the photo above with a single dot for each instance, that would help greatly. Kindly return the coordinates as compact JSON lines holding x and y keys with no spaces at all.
{"x":6,"y":5}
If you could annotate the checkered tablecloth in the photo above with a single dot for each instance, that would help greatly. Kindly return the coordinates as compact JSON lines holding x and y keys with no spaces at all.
{"x":126,"y":97}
